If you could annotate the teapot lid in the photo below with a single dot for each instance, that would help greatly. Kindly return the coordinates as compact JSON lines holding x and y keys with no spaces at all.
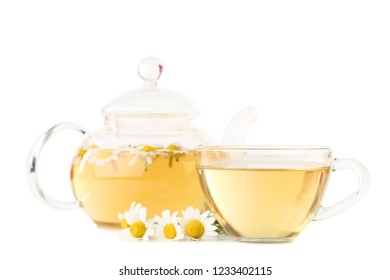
{"x":151,"y":100}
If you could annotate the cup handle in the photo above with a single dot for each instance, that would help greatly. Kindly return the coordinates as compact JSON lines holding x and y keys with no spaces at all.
{"x":32,"y":167}
{"x":352,"y":199}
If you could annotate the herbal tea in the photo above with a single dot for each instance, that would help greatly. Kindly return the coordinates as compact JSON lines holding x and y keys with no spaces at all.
{"x":106,"y":182}
{"x":266,"y":203}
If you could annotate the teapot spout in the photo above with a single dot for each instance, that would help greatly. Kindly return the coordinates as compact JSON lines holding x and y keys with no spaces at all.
{"x":237,"y":128}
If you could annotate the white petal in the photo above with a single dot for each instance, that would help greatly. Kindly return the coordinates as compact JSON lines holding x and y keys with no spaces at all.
{"x":159,"y":220}
{"x":128,"y":214}
{"x":192,"y":213}
{"x":131,"y":217}
{"x":175,"y":214}
{"x":150,"y":223}
{"x":183,"y":228}
{"x":174,"y":219}
{"x":166,"y":215}
{"x":159,"y":233}
{"x":142,"y":214}
{"x":182,"y":221}
{"x":130,"y":220}
{"x":197,"y":213}
{"x":210,"y":228}
{"x":209,"y":221}
{"x":178,"y":229}
{"x":205,"y":214}
{"x":132,"y":206}
{"x":149,"y":232}
{"x":179,"y":236}
{"x":189,"y":214}
{"x":138,"y":206}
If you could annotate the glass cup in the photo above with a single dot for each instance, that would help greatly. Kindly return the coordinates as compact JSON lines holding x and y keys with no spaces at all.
{"x":269,"y":194}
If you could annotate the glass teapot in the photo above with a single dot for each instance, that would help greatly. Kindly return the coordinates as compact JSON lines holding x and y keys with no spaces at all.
{"x":142,"y":153}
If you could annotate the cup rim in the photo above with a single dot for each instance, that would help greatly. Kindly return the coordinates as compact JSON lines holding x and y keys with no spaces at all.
{"x":261,"y":148}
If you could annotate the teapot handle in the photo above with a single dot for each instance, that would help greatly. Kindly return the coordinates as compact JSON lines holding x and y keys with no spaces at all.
{"x":32,"y":167}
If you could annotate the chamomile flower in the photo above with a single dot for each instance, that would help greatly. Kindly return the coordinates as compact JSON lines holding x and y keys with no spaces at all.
{"x":148,"y":156}
{"x":101,"y":156}
{"x":134,"y":209}
{"x":167,"y":226}
{"x":198,"y":226}
{"x":146,"y":152}
{"x":137,"y":226}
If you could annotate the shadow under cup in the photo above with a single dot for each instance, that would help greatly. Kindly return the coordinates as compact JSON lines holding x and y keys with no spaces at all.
{"x":268,"y":194}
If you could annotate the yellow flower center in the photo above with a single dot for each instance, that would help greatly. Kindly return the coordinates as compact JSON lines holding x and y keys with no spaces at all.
{"x":138,"y":229}
{"x":195,"y":229}
{"x":147,"y":148}
{"x":173,"y":147}
{"x":170,"y":231}
{"x":124,"y":224}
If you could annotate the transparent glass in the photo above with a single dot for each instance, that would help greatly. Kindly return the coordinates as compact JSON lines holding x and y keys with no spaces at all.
{"x":269,"y":194}
{"x":144,"y":152}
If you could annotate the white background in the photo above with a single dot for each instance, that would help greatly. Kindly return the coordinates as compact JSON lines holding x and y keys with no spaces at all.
{"x":317,"y":71}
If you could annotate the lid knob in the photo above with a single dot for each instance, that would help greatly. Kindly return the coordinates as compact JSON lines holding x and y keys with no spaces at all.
{"x":150,"y":100}
{"x":150,"y":69}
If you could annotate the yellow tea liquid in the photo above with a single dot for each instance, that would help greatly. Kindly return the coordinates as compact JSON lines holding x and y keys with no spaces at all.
{"x":265,"y":203}
{"x":106,"y":182}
